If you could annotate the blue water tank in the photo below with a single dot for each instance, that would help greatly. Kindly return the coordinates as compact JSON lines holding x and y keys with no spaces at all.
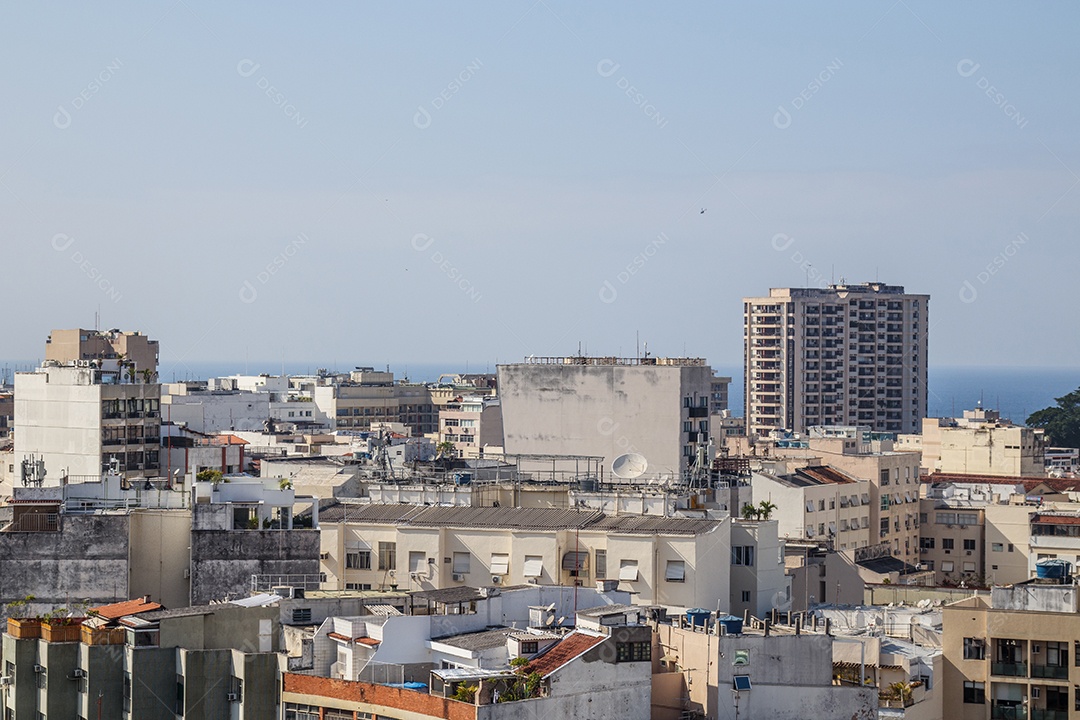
{"x":732,"y":625}
{"x":1052,"y":569}
{"x":698,"y":617}
{"x":462,"y":478}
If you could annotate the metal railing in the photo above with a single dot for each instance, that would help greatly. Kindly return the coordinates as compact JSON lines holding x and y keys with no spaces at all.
{"x":1008,"y":712}
{"x":36,"y":522}
{"x":1054,"y":672}
{"x":1009,"y":669}
{"x":264,"y":583}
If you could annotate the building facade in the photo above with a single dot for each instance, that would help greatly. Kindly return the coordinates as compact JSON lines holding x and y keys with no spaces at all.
{"x":659,"y":408}
{"x":841,"y":355}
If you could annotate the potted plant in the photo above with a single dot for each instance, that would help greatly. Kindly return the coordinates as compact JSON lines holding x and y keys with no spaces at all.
{"x":19,"y":624}
{"x":61,"y":625}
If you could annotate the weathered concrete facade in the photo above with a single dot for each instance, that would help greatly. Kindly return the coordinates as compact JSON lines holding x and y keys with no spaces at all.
{"x":85,"y":560}
{"x":223,"y":561}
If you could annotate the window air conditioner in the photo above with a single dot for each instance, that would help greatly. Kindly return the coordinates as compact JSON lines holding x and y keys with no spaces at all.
{"x":458,"y":577}
{"x":232,"y":697}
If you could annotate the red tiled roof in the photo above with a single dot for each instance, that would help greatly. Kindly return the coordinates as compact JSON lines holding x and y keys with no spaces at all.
{"x":367,"y":641}
{"x":826,"y":474}
{"x":339,"y":636}
{"x":1055,"y":519}
{"x":572,"y":646}
{"x":128,"y":607}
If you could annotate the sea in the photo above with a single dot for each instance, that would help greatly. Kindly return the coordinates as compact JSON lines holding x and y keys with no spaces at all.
{"x":1016,"y":392}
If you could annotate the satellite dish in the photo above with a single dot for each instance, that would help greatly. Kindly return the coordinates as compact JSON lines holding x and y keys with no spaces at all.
{"x":629,"y":466}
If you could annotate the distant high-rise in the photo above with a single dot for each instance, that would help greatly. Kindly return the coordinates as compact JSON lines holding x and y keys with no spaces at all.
{"x":840,"y":355}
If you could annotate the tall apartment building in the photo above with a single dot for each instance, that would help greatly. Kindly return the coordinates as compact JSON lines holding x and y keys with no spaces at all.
{"x":471,"y":423}
{"x":841,"y":355}
{"x":659,"y":408}
{"x":75,"y":420}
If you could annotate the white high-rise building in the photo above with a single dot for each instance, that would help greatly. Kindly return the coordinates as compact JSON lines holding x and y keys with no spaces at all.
{"x":840,"y":355}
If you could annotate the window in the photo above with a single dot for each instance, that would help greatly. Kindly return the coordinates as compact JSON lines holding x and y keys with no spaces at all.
{"x":43,"y":679}
{"x":884,"y":502}
{"x":974,"y":692}
{"x":417,"y":562}
{"x":500,"y":563}
{"x":821,"y":504}
{"x":1010,"y":548}
{"x":357,"y":586}
{"x":742,"y":555}
{"x":530,"y":647}
{"x":601,"y":564}
{"x":969,"y":567}
{"x":947,"y":543}
{"x":534,"y":566}
{"x":628,"y":570}
{"x":461,"y":562}
{"x":969,"y":544}
{"x":967,"y":518}
{"x":947,"y":566}
{"x":301,"y":616}
{"x":676,"y":571}
{"x":127,"y":691}
{"x":927,"y":542}
{"x":387,"y":556}
{"x":996,"y":547}
{"x":746,"y":596}
{"x":974,"y":649}
{"x":358,"y":560}
{"x":1057,"y":654}
{"x":633,"y":651}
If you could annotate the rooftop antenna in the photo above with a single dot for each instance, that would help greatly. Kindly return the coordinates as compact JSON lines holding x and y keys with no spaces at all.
{"x":637,"y":344}
{"x":808,"y":266}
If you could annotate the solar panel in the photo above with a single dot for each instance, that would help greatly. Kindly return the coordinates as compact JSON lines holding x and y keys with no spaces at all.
{"x":742,"y":682}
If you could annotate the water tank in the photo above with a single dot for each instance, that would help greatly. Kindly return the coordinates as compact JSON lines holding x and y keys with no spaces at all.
{"x":698,"y":617}
{"x":587,"y":484}
{"x":732,"y":625}
{"x":1052,"y":569}
{"x":462,"y":478}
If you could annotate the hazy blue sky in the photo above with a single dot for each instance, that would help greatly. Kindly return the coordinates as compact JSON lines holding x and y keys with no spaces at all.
{"x":425,"y":182}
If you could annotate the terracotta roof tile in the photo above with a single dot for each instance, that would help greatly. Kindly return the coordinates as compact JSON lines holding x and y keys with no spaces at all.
{"x":128,"y":607}
{"x":572,"y":646}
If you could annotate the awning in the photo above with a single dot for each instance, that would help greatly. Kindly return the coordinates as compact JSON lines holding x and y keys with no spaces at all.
{"x":628,"y":570}
{"x":534,"y":566}
{"x":676,"y":571}
{"x":575,"y":560}
{"x":500,"y":564}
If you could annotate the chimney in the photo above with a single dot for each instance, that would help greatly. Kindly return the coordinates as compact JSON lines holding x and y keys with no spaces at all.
{"x":146,"y":599}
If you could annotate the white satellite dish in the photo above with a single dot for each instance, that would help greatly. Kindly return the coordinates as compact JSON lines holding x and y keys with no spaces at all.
{"x":629,"y":466}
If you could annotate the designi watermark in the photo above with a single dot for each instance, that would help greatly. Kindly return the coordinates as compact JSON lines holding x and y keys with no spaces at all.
{"x":608,"y":292}
{"x":607,"y":68}
{"x":782,"y":118}
{"x":968,"y":292}
{"x":248,"y":292}
{"x":247,"y":68}
{"x":422,"y":118}
{"x":62,"y":117}
{"x":62,"y":243}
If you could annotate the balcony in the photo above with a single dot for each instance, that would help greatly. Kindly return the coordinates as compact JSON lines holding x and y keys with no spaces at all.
{"x":1007,"y":712}
{"x":1044,"y":714}
{"x":1053,"y":672}
{"x":1008,"y":669}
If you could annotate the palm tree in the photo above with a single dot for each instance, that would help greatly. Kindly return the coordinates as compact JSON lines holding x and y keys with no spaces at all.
{"x":765,"y":509}
{"x":749,"y":512}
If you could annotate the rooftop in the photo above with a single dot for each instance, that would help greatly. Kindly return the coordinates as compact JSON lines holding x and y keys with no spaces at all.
{"x":478,"y":641}
{"x":128,"y":607}
{"x":606,"y":610}
{"x":573,"y":645}
{"x":512,"y":519}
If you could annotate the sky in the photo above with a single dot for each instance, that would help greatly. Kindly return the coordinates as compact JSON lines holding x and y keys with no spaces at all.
{"x":357,"y":183}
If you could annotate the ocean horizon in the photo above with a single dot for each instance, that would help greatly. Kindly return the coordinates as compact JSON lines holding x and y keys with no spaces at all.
{"x":1016,"y":392}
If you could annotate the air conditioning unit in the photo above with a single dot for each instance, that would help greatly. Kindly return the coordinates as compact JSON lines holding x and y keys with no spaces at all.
{"x":232,"y":697}
{"x":414,"y":576}
{"x":458,"y":577}
{"x":496,"y":579}
{"x":78,"y":673}
{"x":39,"y":669}
{"x":968,"y":552}
{"x":187,"y":572}
{"x":391,"y":573}
{"x":324,"y":556}
{"x":5,"y":681}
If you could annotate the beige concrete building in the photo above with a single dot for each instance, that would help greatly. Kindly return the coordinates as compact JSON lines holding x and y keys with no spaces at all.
{"x":819,"y":504}
{"x":679,"y":562}
{"x":858,"y":453}
{"x":471,"y":424}
{"x":367,"y":396}
{"x":841,"y":355}
{"x":656,"y":407}
{"x":69,"y":346}
{"x":1015,"y":656}
{"x":76,"y":420}
{"x":979,"y":443}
